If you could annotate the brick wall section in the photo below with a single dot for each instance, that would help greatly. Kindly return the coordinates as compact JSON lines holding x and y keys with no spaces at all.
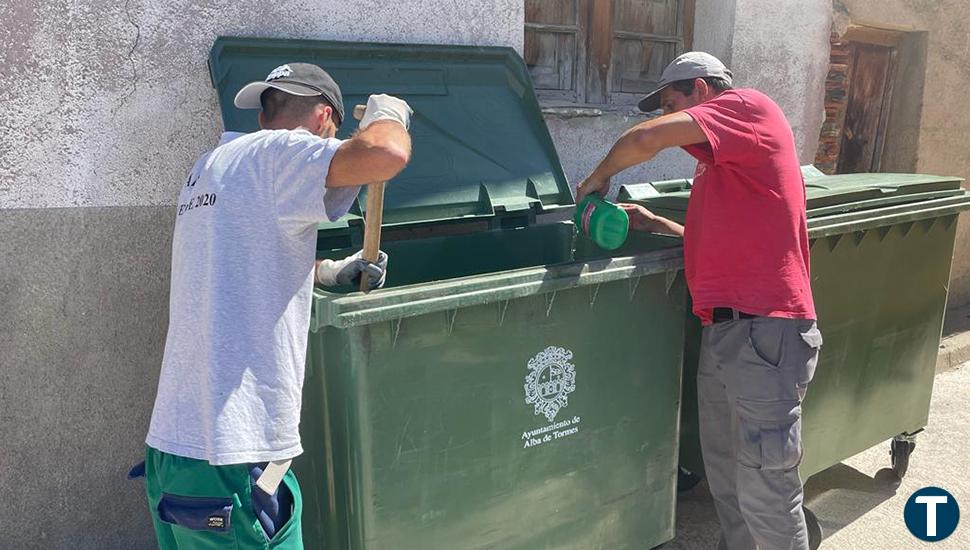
{"x":836,"y":101}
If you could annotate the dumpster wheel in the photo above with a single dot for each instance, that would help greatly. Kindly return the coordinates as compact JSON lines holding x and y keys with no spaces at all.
{"x":814,"y":529}
{"x":899,"y":450}
{"x":687,"y":480}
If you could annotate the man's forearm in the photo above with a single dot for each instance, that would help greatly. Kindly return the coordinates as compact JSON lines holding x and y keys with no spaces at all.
{"x":668,"y":227}
{"x":385,"y":134}
{"x":638,"y":145}
{"x":377,"y":153}
{"x":642,"y":142}
{"x":632,"y":148}
{"x":642,"y":219}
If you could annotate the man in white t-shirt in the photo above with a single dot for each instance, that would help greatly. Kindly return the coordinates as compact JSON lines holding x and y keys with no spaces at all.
{"x":226,"y":419}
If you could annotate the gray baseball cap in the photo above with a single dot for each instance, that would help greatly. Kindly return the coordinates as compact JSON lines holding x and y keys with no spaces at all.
{"x":301,"y":79}
{"x":688,"y":66}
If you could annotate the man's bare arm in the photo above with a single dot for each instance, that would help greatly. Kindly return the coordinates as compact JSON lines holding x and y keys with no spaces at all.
{"x":642,"y":219}
{"x":375,"y":154}
{"x":640,"y":144}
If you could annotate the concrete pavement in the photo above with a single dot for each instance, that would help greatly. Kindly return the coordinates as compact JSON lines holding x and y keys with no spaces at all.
{"x":858,"y":502}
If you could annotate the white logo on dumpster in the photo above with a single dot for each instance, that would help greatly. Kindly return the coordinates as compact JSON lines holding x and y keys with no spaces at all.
{"x":550,"y":380}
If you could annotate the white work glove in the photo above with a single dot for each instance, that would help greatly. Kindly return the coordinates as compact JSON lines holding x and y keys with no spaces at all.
{"x":385,"y":107}
{"x":349,"y":270}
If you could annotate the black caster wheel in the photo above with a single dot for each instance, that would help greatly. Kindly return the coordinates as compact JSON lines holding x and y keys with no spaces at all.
{"x":899,"y":451}
{"x":687,"y":480}
{"x":814,"y":529}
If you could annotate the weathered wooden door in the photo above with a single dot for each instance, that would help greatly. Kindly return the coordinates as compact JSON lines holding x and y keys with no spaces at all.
{"x":867,"y":113}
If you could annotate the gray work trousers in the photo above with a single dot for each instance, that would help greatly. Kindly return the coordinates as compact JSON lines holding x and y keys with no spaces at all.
{"x":752,"y":377}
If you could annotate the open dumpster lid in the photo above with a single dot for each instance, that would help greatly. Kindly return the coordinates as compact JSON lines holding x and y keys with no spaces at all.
{"x":480,"y":146}
{"x":826,"y":195}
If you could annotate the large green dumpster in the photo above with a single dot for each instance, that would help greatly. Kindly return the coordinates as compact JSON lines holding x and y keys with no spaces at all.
{"x":504,"y":391}
{"x":881,"y":249}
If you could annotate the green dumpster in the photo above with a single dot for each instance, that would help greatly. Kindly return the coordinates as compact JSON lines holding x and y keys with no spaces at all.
{"x":881,"y":249}
{"x":505,"y":390}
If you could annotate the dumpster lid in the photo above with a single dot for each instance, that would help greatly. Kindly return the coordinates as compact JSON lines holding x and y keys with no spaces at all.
{"x":825,"y":194}
{"x":867,"y":191}
{"x":481,"y":148}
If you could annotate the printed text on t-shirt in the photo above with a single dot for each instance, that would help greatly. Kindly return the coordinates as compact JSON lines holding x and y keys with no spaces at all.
{"x":198,"y":201}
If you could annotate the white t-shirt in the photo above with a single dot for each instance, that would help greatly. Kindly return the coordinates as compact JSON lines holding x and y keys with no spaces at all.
{"x":242,"y":279}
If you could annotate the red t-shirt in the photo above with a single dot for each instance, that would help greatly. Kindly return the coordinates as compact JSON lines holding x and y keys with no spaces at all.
{"x":746,"y":240}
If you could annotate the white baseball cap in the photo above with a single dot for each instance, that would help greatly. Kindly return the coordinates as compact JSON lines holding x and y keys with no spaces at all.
{"x":688,"y":66}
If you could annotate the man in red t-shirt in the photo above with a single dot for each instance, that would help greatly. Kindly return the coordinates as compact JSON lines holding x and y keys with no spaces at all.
{"x":747,"y":266}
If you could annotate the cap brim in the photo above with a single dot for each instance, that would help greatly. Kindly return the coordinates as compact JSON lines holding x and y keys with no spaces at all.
{"x":651,"y":102}
{"x":248,"y":97}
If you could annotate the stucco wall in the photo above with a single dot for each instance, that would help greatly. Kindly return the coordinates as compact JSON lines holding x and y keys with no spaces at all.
{"x":84,"y":301}
{"x":944,"y":123}
{"x":714,"y":28}
{"x":105,"y":107}
{"x":782,"y":49}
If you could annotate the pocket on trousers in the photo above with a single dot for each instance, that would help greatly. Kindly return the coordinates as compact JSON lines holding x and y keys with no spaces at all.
{"x":808,"y":357}
{"x":288,"y":535}
{"x":812,"y":337}
{"x":137,"y":471}
{"x":769,"y":434}
{"x":765,"y":339}
{"x":211,"y":514}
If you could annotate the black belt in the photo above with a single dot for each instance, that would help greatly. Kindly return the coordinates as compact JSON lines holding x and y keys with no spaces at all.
{"x":722,"y":314}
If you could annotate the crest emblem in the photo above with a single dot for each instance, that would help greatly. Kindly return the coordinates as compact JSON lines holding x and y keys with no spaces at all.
{"x":282,"y":71}
{"x":551,"y":378}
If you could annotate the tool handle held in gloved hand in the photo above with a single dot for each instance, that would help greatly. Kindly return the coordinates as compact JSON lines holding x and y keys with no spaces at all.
{"x":372,"y":228}
{"x":350,"y":270}
{"x":373,"y":217}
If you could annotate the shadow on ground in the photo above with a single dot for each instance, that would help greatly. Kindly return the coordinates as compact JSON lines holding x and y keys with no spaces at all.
{"x":842,"y":494}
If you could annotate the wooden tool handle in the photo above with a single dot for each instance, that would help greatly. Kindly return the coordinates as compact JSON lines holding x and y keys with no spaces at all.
{"x":373,"y":217}
{"x":372,"y":227}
